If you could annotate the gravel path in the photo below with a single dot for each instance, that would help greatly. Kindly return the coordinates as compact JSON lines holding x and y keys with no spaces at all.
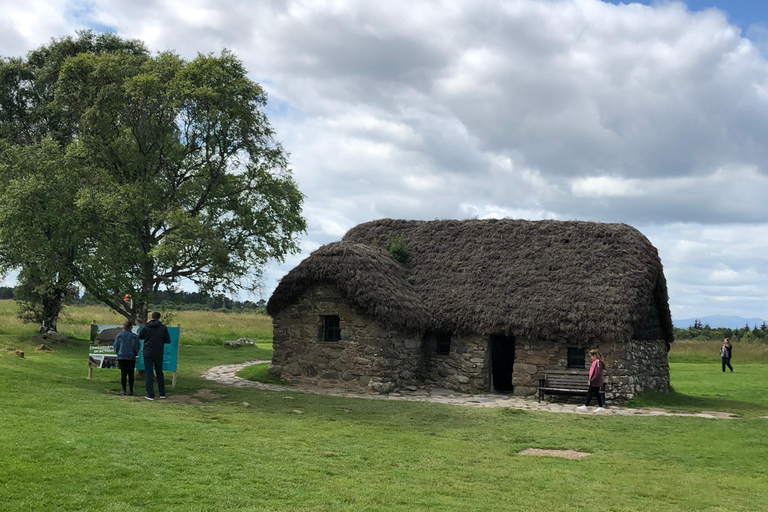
{"x":225,"y":374}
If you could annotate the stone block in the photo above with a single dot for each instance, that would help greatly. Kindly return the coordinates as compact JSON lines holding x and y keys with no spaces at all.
{"x":527,"y":368}
{"x":412,"y":343}
{"x":383,"y":387}
{"x":293,"y":369}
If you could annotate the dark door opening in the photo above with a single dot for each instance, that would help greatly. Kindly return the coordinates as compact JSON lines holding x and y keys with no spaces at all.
{"x":502,"y":361}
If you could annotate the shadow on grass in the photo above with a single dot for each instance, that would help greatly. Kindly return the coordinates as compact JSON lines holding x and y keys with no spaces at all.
{"x":681,"y":402}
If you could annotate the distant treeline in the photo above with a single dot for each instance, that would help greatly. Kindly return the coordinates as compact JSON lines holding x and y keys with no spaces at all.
{"x":182,"y":301}
{"x":703,"y":332}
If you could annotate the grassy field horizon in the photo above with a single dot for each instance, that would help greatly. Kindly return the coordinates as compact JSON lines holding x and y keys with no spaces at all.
{"x":70,"y":443}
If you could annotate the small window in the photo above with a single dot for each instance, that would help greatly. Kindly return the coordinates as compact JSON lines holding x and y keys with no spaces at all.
{"x":443,"y":345}
{"x":331,"y":329}
{"x":576,"y":357}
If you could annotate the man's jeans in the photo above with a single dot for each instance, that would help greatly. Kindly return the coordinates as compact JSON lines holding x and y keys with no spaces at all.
{"x":156,"y":363}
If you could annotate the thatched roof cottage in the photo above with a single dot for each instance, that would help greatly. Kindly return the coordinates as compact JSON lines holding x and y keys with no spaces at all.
{"x":474,"y":305}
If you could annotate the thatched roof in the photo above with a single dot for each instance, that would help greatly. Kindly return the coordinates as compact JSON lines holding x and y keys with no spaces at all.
{"x":545,"y":279}
{"x":366,"y":275}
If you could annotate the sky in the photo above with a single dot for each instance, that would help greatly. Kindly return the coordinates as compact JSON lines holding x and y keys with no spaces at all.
{"x":653,"y":114}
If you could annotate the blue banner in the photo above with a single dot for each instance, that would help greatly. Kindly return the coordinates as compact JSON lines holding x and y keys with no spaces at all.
{"x":170,"y":352}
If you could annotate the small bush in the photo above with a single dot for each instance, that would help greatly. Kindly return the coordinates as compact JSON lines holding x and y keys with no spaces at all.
{"x":396,"y":246}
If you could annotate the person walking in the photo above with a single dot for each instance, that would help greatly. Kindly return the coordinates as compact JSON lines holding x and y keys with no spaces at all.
{"x":596,"y":378}
{"x":155,"y":336}
{"x":725,"y":354}
{"x":127,"y":349}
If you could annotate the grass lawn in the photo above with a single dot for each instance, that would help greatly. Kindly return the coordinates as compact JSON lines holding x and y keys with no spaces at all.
{"x":70,"y":443}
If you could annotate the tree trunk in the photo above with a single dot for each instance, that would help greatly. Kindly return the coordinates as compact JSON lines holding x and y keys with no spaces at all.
{"x":48,"y":324}
{"x":51,"y":305}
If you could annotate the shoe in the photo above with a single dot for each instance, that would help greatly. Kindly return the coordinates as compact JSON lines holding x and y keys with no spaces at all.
{"x":130,"y":393}
{"x":600,"y":409}
{"x":163,"y":397}
{"x":149,"y":397}
{"x":582,"y":407}
{"x":123,"y":393}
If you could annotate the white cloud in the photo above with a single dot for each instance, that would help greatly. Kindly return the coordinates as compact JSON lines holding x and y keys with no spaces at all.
{"x":650,"y":115}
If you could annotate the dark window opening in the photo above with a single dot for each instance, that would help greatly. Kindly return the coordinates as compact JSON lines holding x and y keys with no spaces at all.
{"x":576,"y":357}
{"x":331,"y":328}
{"x":443,"y":345}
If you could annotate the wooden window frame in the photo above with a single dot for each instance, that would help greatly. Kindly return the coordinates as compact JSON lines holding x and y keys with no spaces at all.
{"x":577,"y":354}
{"x":330,"y":328}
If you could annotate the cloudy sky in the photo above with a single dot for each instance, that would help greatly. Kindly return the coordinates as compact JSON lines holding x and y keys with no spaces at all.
{"x":654,"y":114}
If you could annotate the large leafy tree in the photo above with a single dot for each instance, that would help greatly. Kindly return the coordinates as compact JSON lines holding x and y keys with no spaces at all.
{"x":179,"y":176}
{"x":40,"y":233}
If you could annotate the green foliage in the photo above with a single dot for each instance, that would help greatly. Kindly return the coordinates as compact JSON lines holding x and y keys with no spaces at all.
{"x":396,"y":247}
{"x":41,"y":233}
{"x":703,"y":332}
{"x":172,"y":169}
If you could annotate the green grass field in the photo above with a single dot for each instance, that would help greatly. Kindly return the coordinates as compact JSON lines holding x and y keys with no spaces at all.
{"x":70,"y":443}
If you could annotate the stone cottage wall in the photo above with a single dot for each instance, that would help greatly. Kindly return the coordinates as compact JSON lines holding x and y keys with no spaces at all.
{"x":367,"y":358}
{"x":646,"y":354}
{"x":632,"y":367}
{"x":649,"y":367}
{"x":370,"y":358}
{"x":464,"y":368}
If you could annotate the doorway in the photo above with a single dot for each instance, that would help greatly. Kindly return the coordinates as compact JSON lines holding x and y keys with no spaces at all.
{"x":502,"y":362}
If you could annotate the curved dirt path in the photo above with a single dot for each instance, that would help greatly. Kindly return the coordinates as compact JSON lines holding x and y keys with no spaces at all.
{"x":225,"y":374}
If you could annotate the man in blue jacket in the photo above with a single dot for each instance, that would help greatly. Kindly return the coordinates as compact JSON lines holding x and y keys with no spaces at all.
{"x":155,"y":336}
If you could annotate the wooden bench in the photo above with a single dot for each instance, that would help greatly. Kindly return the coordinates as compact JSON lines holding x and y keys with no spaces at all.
{"x":566,"y":382}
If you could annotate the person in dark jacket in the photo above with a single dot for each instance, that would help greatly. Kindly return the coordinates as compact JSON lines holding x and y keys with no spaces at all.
{"x":127,"y":349}
{"x":725,"y":354}
{"x":155,"y":336}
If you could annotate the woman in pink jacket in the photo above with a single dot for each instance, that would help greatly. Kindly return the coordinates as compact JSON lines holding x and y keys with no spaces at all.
{"x":596,"y":377}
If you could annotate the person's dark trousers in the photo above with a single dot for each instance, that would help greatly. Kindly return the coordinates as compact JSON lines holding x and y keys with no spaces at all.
{"x":594,"y":391}
{"x":156,"y":363}
{"x":127,"y":367}
{"x":727,"y":362}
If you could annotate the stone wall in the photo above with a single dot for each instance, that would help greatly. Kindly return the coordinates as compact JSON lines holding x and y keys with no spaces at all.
{"x":464,"y":368}
{"x":367,"y":358}
{"x":370,"y":358}
{"x":649,"y":367}
{"x":631,"y":367}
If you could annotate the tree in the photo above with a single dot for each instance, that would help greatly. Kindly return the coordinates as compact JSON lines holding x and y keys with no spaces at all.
{"x":179,"y":175}
{"x":40,"y":232}
{"x":39,"y":228}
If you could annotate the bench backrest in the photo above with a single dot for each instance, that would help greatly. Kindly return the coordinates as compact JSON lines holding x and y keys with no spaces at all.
{"x":567,"y":379}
